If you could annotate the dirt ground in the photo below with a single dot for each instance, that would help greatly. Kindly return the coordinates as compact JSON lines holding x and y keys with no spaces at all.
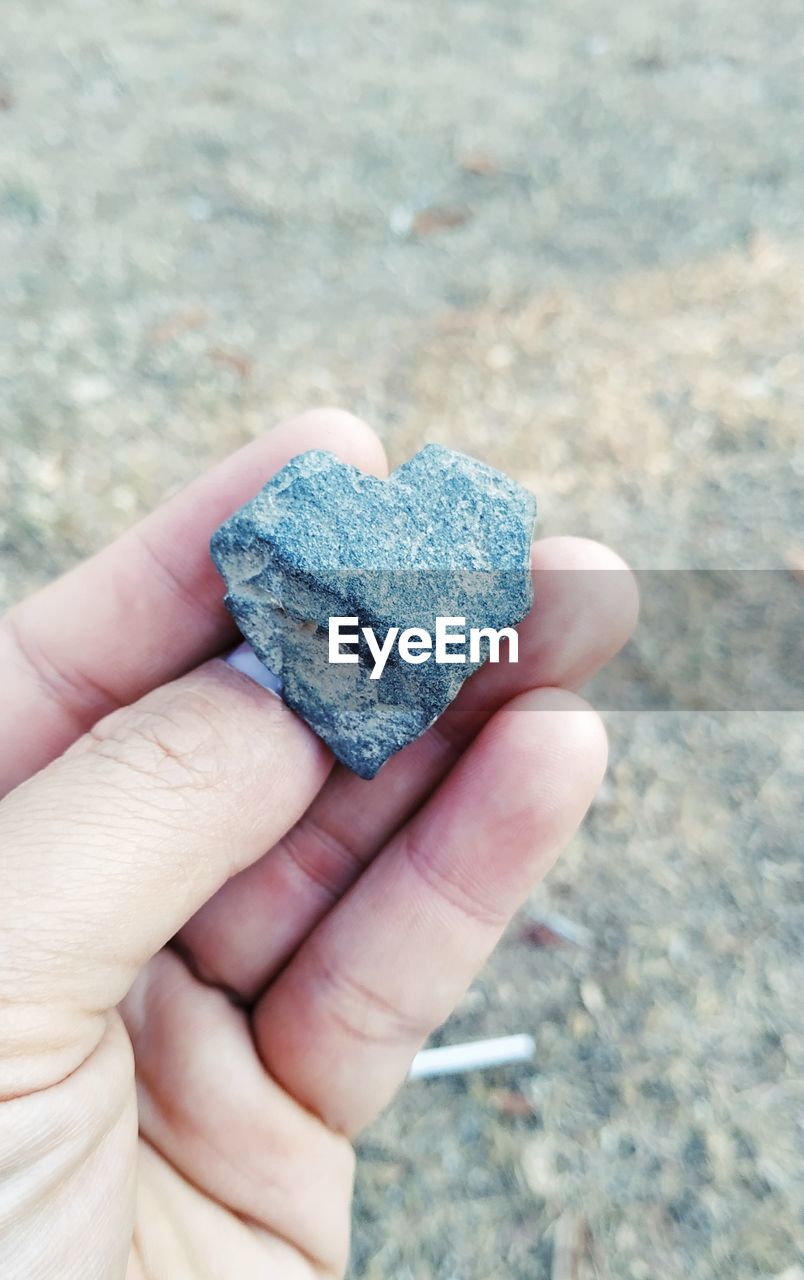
{"x":568,"y":238}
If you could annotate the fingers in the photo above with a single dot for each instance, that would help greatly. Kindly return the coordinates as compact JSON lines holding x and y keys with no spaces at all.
{"x":585,"y":608}
{"x":341,"y":1024}
{"x":145,"y":609}
{"x":110,"y":849}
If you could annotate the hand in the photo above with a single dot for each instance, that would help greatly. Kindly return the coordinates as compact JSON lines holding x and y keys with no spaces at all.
{"x":192,"y":1028}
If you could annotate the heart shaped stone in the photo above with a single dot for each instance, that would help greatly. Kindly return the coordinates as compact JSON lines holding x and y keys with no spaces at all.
{"x":444,"y":536}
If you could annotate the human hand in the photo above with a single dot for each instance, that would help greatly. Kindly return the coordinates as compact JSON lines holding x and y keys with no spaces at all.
{"x":192,"y":1028}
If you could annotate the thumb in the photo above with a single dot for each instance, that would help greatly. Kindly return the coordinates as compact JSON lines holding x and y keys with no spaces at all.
{"x":106,"y":853}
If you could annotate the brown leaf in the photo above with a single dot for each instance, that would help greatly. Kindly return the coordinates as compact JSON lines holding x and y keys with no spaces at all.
{"x":479,"y":163}
{"x":430,"y":221}
{"x":510,"y":1102}
{"x":537,"y":934}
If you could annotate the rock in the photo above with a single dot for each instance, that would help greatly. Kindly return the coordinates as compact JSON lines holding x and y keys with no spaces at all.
{"x":444,"y":535}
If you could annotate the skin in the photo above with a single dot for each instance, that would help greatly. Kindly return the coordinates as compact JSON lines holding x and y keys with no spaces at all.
{"x":220,"y":952}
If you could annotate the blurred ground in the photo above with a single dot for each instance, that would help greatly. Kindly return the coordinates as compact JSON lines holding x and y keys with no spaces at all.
{"x":568,"y":238}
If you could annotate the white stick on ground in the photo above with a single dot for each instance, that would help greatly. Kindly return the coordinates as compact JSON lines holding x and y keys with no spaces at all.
{"x":476,"y":1056}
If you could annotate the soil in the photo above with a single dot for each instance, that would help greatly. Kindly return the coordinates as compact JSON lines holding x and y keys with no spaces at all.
{"x":568,"y":238}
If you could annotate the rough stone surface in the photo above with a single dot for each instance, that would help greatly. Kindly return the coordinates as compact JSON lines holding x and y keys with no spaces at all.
{"x":444,"y":535}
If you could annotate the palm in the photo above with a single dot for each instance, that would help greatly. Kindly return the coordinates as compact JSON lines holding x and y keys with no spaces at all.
{"x":209,"y":1152}
{"x":188,"y":1236}
{"x":233,"y":1172}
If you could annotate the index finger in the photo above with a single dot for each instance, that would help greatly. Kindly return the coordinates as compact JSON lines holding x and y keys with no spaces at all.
{"x":145,"y":609}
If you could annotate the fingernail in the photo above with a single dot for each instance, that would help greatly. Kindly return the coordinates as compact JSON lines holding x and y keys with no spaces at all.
{"x":245,"y":660}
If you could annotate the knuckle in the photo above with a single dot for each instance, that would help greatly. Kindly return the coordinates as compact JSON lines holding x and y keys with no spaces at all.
{"x":455,"y":892}
{"x":174,"y":741}
{"x":365,"y":1016}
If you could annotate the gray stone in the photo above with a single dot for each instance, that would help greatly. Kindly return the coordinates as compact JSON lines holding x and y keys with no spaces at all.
{"x":444,"y":535}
